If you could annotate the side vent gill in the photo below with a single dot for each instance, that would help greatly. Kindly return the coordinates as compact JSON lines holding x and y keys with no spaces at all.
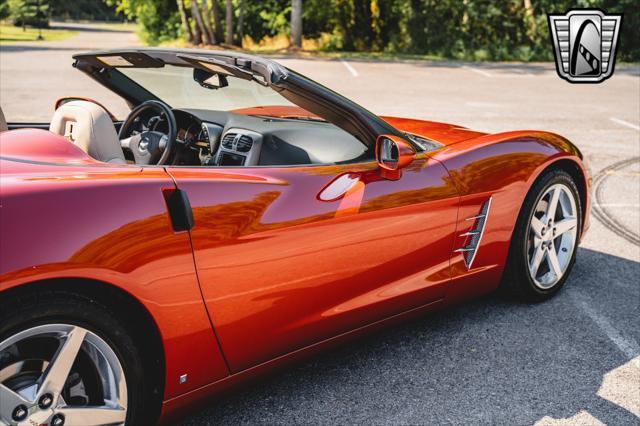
{"x":469,"y":251}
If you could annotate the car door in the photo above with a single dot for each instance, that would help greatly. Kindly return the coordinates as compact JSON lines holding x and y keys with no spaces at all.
{"x":289,"y":256}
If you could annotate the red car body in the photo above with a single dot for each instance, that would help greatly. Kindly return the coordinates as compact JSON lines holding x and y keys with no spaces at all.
{"x":272,"y":269}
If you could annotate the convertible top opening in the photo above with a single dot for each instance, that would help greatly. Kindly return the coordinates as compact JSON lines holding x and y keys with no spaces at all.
{"x":211,"y":108}
{"x":295,"y":88}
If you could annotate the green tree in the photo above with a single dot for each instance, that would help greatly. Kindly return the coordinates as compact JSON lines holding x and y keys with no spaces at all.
{"x":82,"y":9}
{"x":4,"y":9}
{"x":296,"y":23}
{"x":630,"y":31}
{"x":201,"y":32}
{"x":228,"y":38}
{"x":462,"y":29}
{"x":217,"y":21}
{"x":30,"y":12}
{"x":160,"y":19}
{"x":184,"y":19}
{"x":242,"y":10}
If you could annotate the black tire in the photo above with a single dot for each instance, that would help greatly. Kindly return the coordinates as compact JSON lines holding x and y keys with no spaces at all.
{"x":517,"y":282}
{"x":20,"y":312}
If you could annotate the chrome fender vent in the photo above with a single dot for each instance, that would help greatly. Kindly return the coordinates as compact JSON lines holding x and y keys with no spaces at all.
{"x":480,"y":220}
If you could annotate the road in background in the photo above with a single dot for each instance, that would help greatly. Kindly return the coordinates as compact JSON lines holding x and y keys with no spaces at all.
{"x":576,"y":357}
{"x":34,"y":75}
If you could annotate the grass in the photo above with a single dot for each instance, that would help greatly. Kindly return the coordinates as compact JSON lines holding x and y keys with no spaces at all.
{"x":120,"y":26}
{"x":316,"y":48}
{"x":12,"y":34}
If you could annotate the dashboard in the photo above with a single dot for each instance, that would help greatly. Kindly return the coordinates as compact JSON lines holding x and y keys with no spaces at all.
{"x":226,"y":139}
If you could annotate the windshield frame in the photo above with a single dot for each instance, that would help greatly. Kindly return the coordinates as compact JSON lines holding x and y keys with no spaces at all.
{"x":176,"y":86}
{"x":298,"y":89}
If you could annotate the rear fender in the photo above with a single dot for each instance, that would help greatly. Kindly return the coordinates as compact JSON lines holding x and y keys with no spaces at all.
{"x":110,"y":224}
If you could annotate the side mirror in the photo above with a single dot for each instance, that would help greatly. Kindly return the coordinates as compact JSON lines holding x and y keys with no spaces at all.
{"x":210,"y":80}
{"x":393,"y":154}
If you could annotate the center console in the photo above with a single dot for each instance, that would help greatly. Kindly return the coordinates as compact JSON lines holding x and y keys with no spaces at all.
{"x":238,"y":147}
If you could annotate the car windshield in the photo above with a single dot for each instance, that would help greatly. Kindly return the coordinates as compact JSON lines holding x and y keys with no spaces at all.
{"x":175,"y":86}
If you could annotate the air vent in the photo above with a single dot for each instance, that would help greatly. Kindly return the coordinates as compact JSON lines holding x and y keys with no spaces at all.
{"x":244,"y":143}
{"x":469,"y":251}
{"x":227,"y":141}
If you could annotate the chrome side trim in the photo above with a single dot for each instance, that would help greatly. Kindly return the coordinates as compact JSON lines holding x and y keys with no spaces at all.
{"x":469,"y":233}
{"x":483,"y":225}
{"x":463,"y":250}
{"x":470,"y":251}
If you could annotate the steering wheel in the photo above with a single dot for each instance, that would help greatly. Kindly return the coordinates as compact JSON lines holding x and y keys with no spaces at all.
{"x":147,"y":145}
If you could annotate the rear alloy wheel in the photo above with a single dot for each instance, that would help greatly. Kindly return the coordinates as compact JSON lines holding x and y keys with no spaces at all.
{"x":67,"y":359}
{"x":61,"y":374}
{"x":545,"y":238}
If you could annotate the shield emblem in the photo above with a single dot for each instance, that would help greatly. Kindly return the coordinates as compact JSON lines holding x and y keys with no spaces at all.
{"x":585,"y":44}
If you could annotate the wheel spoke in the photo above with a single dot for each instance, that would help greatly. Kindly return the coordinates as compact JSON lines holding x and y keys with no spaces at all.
{"x":56,"y":374}
{"x":91,"y":416}
{"x":9,"y":400}
{"x":554,"y":264}
{"x":536,"y":259}
{"x":536,"y":226}
{"x":554,"y":221}
{"x":553,"y":203}
{"x":565,"y":225}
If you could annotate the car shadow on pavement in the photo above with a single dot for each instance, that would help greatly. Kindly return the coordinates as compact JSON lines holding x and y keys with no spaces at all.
{"x":487,"y":361}
{"x":90,"y":28}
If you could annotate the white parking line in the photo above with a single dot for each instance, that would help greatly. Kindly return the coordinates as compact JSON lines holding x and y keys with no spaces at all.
{"x":477,"y":71}
{"x":351,"y":69}
{"x":625,"y":123}
{"x":620,"y":205}
{"x":627,"y":346}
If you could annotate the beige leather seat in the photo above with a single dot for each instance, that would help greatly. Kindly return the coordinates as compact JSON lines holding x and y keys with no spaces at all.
{"x":3,"y":122}
{"x":88,"y":126}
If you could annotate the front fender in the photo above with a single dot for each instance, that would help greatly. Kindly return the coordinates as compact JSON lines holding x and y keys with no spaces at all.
{"x":504,"y":167}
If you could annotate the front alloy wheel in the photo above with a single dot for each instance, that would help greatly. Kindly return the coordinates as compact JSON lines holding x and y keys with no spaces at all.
{"x":60,"y":374}
{"x":552,"y":236}
{"x":545,"y":238}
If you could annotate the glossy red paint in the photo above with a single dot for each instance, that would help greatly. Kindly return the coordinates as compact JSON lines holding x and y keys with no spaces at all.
{"x":37,"y":145}
{"x":444,"y":133}
{"x":280,"y":270}
{"x":84,"y":219}
{"x":273,"y":269}
{"x":504,"y":167}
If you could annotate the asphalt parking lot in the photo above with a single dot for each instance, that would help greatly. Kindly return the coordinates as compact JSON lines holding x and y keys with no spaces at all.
{"x":572,"y":360}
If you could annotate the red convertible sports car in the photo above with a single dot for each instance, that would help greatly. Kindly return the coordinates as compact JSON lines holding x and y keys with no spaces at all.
{"x":243,"y":216}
